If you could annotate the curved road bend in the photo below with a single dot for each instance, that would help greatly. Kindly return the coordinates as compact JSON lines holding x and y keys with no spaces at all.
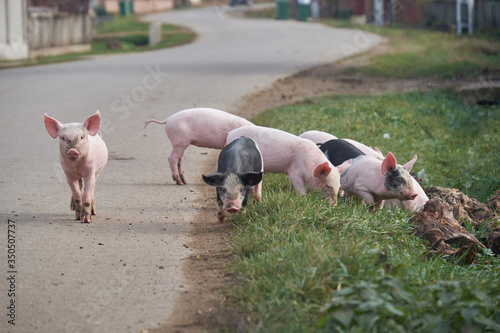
{"x":122,"y":272}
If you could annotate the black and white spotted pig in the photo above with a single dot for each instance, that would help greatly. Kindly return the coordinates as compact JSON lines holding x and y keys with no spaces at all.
{"x":372,"y":179}
{"x":239,"y":168}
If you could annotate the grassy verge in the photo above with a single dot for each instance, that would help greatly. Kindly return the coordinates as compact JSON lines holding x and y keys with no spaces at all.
{"x":266,"y":13}
{"x":127,"y":33}
{"x":431,"y":54}
{"x":305,"y":267}
{"x":457,"y":143}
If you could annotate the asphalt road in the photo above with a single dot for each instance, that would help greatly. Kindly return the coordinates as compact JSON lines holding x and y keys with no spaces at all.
{"x":122,"y":272}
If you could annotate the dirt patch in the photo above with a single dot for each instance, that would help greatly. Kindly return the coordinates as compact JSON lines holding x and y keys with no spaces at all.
{"x":331,"y":79}
{"x":202,"y":306}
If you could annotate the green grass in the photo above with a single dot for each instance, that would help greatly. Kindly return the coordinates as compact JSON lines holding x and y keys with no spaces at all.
{"x":266,"y":13}
{"x":129,"y":24}
{"x":431,"y":54}
{"x":304,"y":267}
{"x":457,"y":144}
{"x":136,"y":37}
{"x":136,"y":43}
{"x":131,"y":33}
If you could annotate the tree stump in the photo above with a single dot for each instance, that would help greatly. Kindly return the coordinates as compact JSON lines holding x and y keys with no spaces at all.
{"x":440,"y":222}
{"x":494,"y":202}
{"x":464,"y":208}
{"x":473,"y":211}
{"x":437,"y":224}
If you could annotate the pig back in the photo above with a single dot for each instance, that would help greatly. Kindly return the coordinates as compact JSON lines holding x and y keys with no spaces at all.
{"x":203,"y":127}
{"x":240,"y":156}
{"x":338,"y":151}
{"x":279,"y":149}
{"x":318,"y":137}
{"x":368,"y":151}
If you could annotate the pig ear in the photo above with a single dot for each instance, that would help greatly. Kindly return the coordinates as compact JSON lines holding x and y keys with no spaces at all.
{"x":388,"y":163}
{"x":93,"y":123}
{"x":409,"y":165}
{"x":378,"y":151}
{"x":213,"y":179}
{"x":52,"y":126}
{"x":322,"y":170}
{"x":343,"y":167}
{"x":251,"y":178}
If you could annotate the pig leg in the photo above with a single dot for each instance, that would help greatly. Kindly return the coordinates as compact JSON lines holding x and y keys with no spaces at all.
{"x":181,"y":173}
{"x":298,"y":183}
{"x":245,"y":200}
{"x":175,"y":159}
{"x":377,"y":205}
{"x":92,"y":206}
{"x":88,"y":199}
{"x":370,"y":201}
{"x":221,"y":214}
{"x":76,"y":196}
{"x":72,"y":205}
{"x":257,"y":192}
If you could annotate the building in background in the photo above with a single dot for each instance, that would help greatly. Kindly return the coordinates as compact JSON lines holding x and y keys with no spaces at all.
{"x":434,"y":14}
{"x":37,"y":28}
{"x":140,"y":6}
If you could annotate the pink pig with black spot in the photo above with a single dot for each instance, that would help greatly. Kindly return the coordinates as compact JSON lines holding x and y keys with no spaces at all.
{"x":83,"y":155}
{"x":303,"y":162}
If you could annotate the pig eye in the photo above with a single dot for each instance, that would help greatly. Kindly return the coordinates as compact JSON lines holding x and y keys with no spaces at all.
{"x":399,"y":181}
{"x":63,"y":138}
{"x":82,"y":137}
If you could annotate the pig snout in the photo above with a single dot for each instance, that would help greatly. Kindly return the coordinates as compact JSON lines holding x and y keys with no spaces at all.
{"x":73,"y":154}
{"x":232,"y":209}
{"x":233,"y":206}
{"x":408,"y":195}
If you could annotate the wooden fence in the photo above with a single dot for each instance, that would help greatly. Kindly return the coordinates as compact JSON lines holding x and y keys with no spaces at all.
{"x":51,"y":29}
{"x":442,"y":14}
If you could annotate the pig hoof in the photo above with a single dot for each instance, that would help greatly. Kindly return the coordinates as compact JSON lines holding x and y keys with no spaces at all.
{"x":183,"y":180}
{"x":86,"y":217}
{"x":78,"y":214}
{"x":221,"y":217}
{"x":87,"y":212}
{"x":178,"y":181}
